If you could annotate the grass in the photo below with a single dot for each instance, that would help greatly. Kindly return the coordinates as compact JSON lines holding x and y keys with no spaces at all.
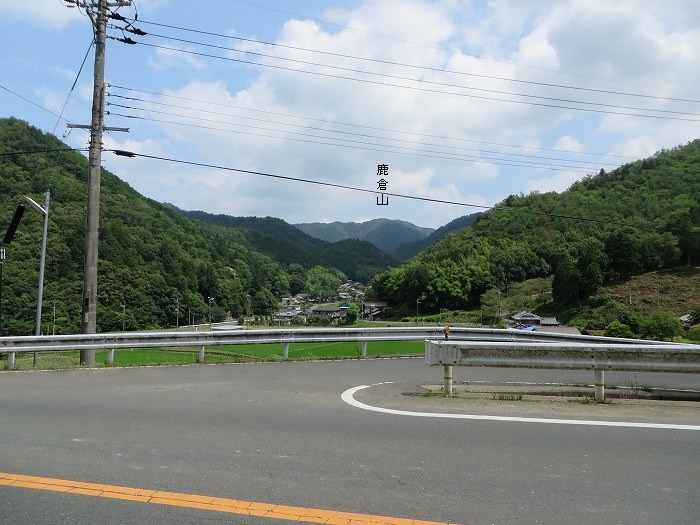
{"x":507,"y":396}
{"x":224,"y":353}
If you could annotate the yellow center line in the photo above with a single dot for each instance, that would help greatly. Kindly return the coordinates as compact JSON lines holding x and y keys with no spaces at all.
{"x":194,"y":501}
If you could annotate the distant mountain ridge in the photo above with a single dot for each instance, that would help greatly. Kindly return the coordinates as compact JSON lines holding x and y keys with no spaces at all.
{"x":287,"y":244}
{"x":385,"y":234}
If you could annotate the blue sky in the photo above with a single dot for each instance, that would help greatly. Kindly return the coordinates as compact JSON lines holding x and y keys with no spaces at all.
{"x":465,"y":101}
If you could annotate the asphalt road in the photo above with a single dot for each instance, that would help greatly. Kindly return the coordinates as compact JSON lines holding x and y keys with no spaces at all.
{"x":279,"y":433}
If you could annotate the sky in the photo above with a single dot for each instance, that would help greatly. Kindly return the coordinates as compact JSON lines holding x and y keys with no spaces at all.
{"x":463,"y":101}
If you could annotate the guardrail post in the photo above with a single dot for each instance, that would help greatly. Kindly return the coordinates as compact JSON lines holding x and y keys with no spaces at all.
{"x":110,"y":356}
{"x":285,"y":351}
{"x":364,"y":348}
{"x":11,"y":360}
{"x":448,"y":380}
{"x":200,"y":358}
{"x":599,"y":385}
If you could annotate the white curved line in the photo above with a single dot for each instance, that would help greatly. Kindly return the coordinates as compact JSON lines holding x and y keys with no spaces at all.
{"x":348,"y":397}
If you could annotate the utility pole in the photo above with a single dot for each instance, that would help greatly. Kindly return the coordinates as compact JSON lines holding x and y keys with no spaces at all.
{"x":97,"y":11}
{"x":89,"y":318}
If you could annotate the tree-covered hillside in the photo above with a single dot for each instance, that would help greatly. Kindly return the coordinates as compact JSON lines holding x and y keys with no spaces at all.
{"x":640,"y":217}
{"x":358,"y":260}
{"x":152,"y":260}
{"x":409,"y":249}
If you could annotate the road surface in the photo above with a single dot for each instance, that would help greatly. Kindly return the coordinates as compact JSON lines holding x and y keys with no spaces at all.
{"x":281,"y":434}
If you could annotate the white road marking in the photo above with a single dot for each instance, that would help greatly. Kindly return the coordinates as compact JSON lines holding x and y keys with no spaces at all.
{"x":348,"y":397}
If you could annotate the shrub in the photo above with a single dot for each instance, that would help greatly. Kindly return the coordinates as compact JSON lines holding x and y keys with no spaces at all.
{"x":694,"y":333}
{"x":618,"y":329}
{"x":661,"y":325}
{"x":318,"y":320}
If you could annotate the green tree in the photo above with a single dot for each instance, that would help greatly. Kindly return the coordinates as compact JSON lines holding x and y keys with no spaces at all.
{"x":618,"y":329}
{"x":297,"y":278}
{"x":694,"y":333}
{"x":264,"y":302}
{"x":322,"y":283}
{"x":351,"y":316}
{"x":661,"y":326}
{"x":565,"y":285}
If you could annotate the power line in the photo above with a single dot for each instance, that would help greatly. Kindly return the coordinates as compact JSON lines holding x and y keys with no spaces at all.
{"x":33,"y":103}
{"x":397,"y":149}
{"x":434,"y":47}
{"x":131,"y":154}
{"x":352,"y":125}
{"x":457,"y":156}
{"x":42,"y":151}
{"x":397,"y":77}
{"x":325,"y":129}
{"x":391,"y":63}
{"x":428,"y":90}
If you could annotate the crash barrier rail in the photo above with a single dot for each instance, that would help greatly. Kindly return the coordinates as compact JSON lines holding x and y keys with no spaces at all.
{"x":115,"y":341}
{"x":598,"y":354}
{"x":444,"y":346}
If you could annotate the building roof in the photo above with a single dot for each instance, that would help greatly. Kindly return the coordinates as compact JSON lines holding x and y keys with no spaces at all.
{"x":525,"y":316}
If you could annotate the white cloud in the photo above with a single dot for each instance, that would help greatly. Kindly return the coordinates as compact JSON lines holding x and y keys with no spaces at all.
{"x":49,"y":13}
{"x":558,"y":182}
{"x":174,"y":57}
{"x":455,"y":107}
{"x":568,"y":143}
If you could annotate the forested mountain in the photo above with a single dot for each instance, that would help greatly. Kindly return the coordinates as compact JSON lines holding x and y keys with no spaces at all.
{"x":641,"y":217}
{"x":359,"y":260}
{"x":152,"y":259}
{"x":385,"y":234}
{"x":409,"y":249}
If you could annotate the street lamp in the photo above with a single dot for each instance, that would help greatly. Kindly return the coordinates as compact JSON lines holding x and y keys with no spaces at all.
{"x":45,"y":212}
{"x":177,"y":313}
{"x":210,"y":300}
{"x":417,"y":303}
{"x":2,"y":263}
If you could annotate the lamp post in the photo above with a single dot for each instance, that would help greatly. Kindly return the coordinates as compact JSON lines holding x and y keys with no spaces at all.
{"x":45,"y":212}
{"x":2,"y":263}
{"x":417,"y":303}
{"x":177,"y":314}
{"x":210,"y":300}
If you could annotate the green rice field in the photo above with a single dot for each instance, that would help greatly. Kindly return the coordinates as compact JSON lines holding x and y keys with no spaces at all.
{"x":224,"y":353}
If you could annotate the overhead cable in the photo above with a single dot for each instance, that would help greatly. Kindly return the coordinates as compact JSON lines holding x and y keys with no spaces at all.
{"x":352,"y":125}
{"x":427,"y":90}
{"x":131,"y":154}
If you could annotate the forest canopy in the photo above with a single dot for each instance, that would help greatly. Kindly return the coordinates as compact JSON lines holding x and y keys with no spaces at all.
{"x":641,"y":217}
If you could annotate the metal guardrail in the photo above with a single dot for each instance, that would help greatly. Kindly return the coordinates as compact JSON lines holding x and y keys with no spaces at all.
{"x":598,"y":354}
{"x":466,"y":347}
{"x":160,"y":339}
{"x":115,"y":341}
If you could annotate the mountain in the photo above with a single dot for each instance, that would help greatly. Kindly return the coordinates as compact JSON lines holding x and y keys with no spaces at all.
{"x":359,"y":260}
{"x":642,"y":217}
{"x":409,"y":249}
{"x":385,"y":234}
{"x":156,"y":266}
